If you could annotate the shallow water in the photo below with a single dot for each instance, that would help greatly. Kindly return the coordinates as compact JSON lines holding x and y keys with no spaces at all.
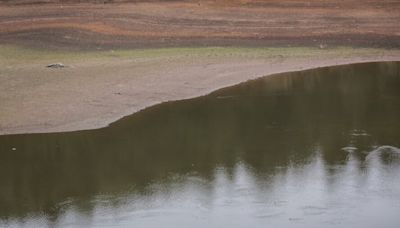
{"x":318,"y":148}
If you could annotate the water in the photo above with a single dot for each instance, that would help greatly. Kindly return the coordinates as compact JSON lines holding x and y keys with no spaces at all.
{"x":319,"y":148}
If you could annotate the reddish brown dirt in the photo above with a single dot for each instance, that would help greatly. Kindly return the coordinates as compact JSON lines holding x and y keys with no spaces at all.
{"x":371,"y":23}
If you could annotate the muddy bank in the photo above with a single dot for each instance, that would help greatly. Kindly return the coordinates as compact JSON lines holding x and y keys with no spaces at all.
{"x":95,"y":89}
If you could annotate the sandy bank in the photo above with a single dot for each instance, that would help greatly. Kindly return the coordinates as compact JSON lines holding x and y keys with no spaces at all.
{"x":98,"y":88}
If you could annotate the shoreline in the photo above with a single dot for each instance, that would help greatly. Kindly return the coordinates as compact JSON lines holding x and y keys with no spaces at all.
{"x":95,"y":91}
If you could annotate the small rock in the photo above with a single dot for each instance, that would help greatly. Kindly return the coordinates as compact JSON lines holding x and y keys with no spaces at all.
{"x":13,"y":148}
{"x":56,"y":65}
{"x":323,"y":46}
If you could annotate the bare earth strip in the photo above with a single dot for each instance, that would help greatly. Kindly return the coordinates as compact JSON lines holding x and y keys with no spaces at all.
{"x":96,"y":89}
{"x":134,"y":24}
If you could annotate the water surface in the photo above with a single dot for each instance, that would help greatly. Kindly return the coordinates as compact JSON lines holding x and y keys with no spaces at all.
{"x":318,"y":148}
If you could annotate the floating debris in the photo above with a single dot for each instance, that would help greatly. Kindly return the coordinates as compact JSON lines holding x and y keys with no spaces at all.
{"x":349,"y":149}
{"x":226,"y":97}
{"x":356,"y":133}
{"x":360,"y":134}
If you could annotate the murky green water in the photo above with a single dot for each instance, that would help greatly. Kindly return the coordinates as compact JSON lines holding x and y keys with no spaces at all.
{"x":318,"y":148}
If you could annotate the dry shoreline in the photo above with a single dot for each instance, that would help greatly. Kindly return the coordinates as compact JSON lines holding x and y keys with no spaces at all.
{"x":96,"y":90}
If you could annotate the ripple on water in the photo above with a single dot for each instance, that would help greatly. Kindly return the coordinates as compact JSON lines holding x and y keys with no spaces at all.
{"x":385,"y":150}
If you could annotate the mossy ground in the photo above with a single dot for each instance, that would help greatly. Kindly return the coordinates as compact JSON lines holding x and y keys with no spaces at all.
{"x":14,"y":55}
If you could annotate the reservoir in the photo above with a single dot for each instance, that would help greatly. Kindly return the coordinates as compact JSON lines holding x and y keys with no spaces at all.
{"x":316,"y":148}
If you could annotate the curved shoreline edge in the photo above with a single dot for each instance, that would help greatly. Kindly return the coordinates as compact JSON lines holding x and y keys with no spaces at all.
{"x":96,"y":90}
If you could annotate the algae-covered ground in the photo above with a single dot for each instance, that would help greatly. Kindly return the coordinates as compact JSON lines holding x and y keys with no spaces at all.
{"x":15,"y":55}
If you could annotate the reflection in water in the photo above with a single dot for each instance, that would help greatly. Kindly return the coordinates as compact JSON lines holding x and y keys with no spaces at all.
{"x":307,"y":149}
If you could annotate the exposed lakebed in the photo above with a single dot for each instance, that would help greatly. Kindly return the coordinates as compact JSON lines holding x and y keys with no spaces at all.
{"x":306,"y":149}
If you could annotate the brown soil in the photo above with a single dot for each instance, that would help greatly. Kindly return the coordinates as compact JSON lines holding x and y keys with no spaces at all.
{"x":132,"y":24}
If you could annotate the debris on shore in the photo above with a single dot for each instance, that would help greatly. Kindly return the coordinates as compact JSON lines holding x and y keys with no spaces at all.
{"x":55,"y":65}
{"x":323,"y":46}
